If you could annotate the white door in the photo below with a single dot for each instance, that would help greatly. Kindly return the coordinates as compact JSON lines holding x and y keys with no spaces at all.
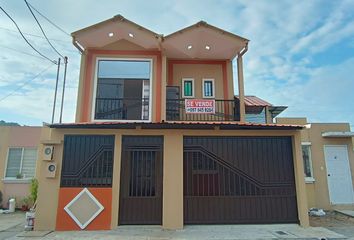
{"x":339,"y":175}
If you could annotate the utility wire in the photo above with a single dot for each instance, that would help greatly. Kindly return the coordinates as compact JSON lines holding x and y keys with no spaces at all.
{"x":25,"y":83}
{"x":52,"y":61}
{"x":34,"y":35}
{"x":40,"y":26}
{"x":26,"y":53}
{"x":49,"y":20}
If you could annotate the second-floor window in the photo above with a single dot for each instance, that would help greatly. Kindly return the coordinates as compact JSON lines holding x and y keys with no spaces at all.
{"x":188,"y":88}
{"x":208,"y":88}
{"x":123,"y":89}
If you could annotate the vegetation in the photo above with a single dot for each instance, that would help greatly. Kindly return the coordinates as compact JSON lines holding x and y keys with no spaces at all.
{"x":19,"y":176}
{"x":25,"y":203}
{"x":34,"y":190}
{"x":3,"y":123}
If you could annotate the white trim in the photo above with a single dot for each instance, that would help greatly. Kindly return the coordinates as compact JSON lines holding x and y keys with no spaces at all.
{"x":66,"y":208}
{"x":306,"y":143}
{"x":213,"y":88}
{"x":23,"y":150}
{"x":93,"y":100}
{"x":7,"y":159}
{"x":193,"y":86}
{"x":338,"y":134}
{"x":15,"y":180}
{"x":309,"y":180}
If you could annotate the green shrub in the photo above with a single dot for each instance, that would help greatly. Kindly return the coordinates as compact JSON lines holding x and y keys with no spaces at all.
{"x":34,"y":190}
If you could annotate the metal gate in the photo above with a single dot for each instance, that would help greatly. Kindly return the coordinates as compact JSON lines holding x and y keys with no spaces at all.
{"x":239,"y":180}
{"x":87,"y":161}
{"x":141,"y":180}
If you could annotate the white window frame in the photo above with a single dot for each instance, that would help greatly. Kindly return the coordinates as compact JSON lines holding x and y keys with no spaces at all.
{"x":95,"y":81}
{"x":309,"y":179}
{"x":213,"y":88}
{"x":193,"y":87}
{"x":7,"y":160}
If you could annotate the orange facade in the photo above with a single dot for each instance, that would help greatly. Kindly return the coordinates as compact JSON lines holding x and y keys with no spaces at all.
{"x":101,"y":222}
{"x":89,"y":75}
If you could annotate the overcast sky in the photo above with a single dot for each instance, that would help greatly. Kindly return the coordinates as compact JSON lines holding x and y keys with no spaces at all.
{"x":301,"y":53}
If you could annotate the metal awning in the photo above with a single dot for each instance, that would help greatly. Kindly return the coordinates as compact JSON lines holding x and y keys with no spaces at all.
{"x":338,"y":134}
{"x":276,"y":110}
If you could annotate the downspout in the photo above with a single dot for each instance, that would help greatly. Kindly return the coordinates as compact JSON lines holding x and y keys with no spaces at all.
{"x":241,"y":88}
{"x":78,"y":46}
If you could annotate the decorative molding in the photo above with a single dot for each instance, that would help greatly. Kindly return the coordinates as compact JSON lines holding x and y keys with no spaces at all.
{"x":67,"y":208}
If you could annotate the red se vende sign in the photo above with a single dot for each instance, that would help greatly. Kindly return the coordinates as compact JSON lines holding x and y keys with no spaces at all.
{"x":200,"y":105}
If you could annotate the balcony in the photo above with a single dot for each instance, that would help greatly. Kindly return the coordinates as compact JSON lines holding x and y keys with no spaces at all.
{"x":224,"y":110}
{"x":136,"y":109}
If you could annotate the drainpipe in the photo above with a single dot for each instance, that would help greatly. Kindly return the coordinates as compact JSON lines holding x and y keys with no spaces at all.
{"x":241,"y":89}
{"x":77,"y":45}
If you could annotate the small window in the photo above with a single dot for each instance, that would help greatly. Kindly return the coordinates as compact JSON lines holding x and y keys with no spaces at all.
{"x":306,"y":156}
{"x":188,"y":87}
{"x":208,"y":88}
{"x":21,"y":163}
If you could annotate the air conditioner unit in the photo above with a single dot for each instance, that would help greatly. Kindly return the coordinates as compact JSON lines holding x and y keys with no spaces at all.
{"x":48,"y":153}
{"x":51,"y":170}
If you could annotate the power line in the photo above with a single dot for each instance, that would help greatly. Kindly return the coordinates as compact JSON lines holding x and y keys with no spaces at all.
{"x":40,"y":26}
{"x":13,"y":49}
{"x":34,"y":35}
{"x":25,"y":83}
{"x":52,"y":61}
{"x":62,"y":30}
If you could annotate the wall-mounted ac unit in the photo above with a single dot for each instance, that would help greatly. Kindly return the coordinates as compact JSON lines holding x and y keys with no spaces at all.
{"x":48,"y":153}
{"x":51,"y":170}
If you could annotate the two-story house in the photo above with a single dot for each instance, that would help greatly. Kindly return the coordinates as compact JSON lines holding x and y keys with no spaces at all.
{"x":160,"y":137}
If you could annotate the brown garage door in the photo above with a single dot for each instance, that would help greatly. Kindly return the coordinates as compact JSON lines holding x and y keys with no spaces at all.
{"x":239,"y":180}
{"x":141,"y":180}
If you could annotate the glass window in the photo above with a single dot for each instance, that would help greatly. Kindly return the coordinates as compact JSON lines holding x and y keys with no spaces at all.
{"x":208,"y":88}
{"x":21,"y":161}
{"x":123,"y":90}
{"x":188,"y":87}
{"x":255,"y":114}
{"x":14,"y":162}
{"x":306,"y":155}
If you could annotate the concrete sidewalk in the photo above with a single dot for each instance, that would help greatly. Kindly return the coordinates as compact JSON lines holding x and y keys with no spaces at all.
{"x":11,"y":224}
{"x":197,"y":232}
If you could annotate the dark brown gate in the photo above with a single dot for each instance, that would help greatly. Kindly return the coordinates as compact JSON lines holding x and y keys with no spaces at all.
{"x":239,"y":180}
{"x":141,"y":180}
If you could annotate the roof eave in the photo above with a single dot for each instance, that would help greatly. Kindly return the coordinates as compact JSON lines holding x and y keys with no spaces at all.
{"x":203,"y":23}
{"x":179,"y":125}
{"x":114,"y":19}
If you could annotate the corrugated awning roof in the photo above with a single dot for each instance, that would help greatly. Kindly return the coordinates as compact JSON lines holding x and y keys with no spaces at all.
{"x":178,"y":125}
{"x":253,"y":101}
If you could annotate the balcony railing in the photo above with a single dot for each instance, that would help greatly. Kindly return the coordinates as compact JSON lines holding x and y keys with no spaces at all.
{"x":225,"y":110}
{"x":122,"y":109}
